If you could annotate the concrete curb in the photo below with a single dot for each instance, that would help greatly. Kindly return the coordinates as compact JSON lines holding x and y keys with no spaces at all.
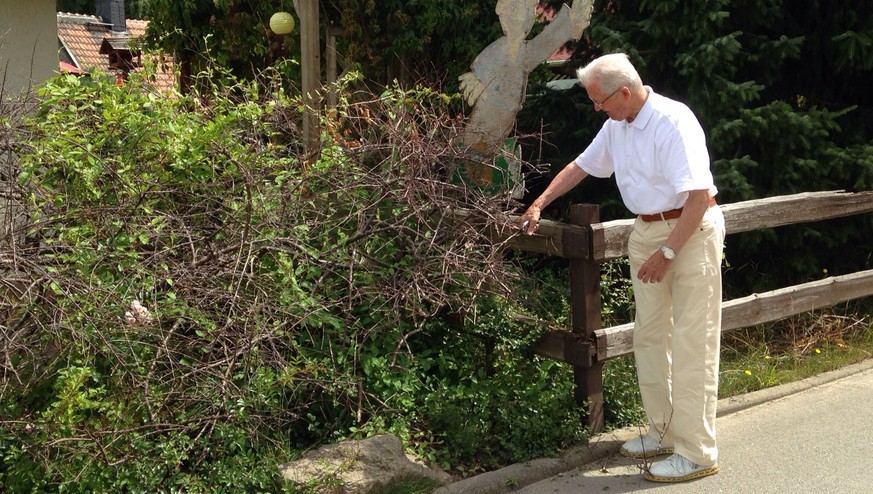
{"x":520,"y":475}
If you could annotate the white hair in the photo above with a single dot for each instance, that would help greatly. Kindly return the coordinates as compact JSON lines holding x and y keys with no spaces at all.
{"x":612,"y":72}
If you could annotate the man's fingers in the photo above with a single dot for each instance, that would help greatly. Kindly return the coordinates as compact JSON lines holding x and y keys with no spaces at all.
{"x":527,"y":228}
{"x":525,"y":225}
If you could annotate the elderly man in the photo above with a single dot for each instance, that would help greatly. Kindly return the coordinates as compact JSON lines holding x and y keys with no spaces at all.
{"x":657,"y":150}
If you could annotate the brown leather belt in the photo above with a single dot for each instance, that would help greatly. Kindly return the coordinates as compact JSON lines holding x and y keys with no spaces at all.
{"x":669,"y":215}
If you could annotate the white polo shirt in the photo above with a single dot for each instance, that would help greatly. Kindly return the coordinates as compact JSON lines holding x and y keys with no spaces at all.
{"x":656,"y":159}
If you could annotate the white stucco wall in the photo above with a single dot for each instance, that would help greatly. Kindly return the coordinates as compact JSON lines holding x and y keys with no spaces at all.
{"x":28,"y":43}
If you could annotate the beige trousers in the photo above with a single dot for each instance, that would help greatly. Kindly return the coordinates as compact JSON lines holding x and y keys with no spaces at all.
{"x":677,"y":335}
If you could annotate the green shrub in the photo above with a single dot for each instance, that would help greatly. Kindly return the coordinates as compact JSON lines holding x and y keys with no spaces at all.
{"x":493,"y":402}
{"x":205,"y":302}
{"x":621,"y":394}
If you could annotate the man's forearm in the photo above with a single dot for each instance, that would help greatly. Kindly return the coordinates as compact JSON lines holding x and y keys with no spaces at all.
{"x":692,"y":214}
{"x":568,"y":178}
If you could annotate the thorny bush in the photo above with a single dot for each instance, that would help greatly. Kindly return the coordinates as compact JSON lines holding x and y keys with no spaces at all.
{"x":190,"y":296}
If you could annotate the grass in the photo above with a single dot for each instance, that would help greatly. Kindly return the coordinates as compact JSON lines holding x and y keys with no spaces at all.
{"x":761,"y":357}
{"x":794,"y":349}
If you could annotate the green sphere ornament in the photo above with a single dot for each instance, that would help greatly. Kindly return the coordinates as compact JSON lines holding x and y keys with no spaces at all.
{"x":282,"y":23}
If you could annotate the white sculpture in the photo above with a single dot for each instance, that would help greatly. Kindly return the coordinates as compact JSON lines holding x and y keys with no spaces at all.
{"x":496,"y":85}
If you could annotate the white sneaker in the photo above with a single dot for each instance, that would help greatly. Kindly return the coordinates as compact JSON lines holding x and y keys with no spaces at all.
{"x":677,"y":468}
{"x":644,"y":447}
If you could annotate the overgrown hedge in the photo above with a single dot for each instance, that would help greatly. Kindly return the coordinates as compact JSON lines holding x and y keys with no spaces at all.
{"x":197,"y":300}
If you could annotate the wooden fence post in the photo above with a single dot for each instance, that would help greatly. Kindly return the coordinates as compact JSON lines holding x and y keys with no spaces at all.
{"x":310,"y":64}
{"x":585,"y":319}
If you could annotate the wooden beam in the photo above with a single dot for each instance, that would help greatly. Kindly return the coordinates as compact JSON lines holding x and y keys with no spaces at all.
{"x":584,"y":276}
{"x":610,"y":238}
{"x":797,"y":208}
{"x":756,"y":309}
{"x":331,"y":64}
{"x":552,"y":237}
{"x":585,"y":318}
{"x":779,"y":304}
{"x":565,"y":346}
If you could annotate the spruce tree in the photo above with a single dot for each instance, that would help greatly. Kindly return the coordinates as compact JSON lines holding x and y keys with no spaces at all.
{"x":780,"y":88}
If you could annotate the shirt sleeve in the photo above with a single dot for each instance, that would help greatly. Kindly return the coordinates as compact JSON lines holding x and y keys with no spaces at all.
{"x":596,"y":160}
{"x":685,"y":156}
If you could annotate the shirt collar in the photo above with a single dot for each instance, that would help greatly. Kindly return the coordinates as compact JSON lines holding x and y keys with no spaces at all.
{"x":645,"y":113}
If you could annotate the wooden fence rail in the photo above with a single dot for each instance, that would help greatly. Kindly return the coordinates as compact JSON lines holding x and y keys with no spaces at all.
{"x":587,"y":243}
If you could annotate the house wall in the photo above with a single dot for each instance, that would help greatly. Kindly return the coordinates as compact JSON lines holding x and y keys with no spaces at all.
{"x":28,"y":43}
{"x":28,"y":56}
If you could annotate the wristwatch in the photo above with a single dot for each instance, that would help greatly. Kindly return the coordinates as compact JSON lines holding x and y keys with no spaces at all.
{"x":669,"y":254}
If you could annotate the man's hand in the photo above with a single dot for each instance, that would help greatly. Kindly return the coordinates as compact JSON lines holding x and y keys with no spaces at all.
{"x":529,"y":221}
{"x":566,"y":180}
{"x":654,"y":269}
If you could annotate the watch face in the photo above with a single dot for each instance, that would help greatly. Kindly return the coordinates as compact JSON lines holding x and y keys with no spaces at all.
{"x":669,"y":254}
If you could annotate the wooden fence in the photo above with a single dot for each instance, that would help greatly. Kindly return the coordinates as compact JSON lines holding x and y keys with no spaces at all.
{"x":587,"y":243}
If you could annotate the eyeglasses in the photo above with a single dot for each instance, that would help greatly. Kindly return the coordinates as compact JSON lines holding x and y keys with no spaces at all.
{"x":599,"y":106}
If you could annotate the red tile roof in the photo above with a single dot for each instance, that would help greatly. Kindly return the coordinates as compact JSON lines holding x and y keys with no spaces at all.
{"x":82,"y":36}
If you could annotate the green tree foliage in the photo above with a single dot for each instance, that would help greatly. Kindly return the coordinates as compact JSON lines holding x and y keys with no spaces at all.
{"x":416,"y":41}
{"x":234,"y":34}
{"x":779,"y":88}
{"x":412,"y":42}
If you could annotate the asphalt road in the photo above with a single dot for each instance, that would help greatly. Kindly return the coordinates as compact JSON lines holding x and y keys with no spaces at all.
{"x":814,"y":436}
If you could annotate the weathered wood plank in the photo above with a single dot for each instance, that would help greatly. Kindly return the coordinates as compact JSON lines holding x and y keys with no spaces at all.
{"x":552,"y":237}
{"x":564,"y":346}
{"x":779,"y":304}
{"x":585,"y":319}
{"x":797,"y":208}
{"x":610,"y":238}
{"x":615,"y":341}
{"x":758,"y":308}
{"x":310,"y":63}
